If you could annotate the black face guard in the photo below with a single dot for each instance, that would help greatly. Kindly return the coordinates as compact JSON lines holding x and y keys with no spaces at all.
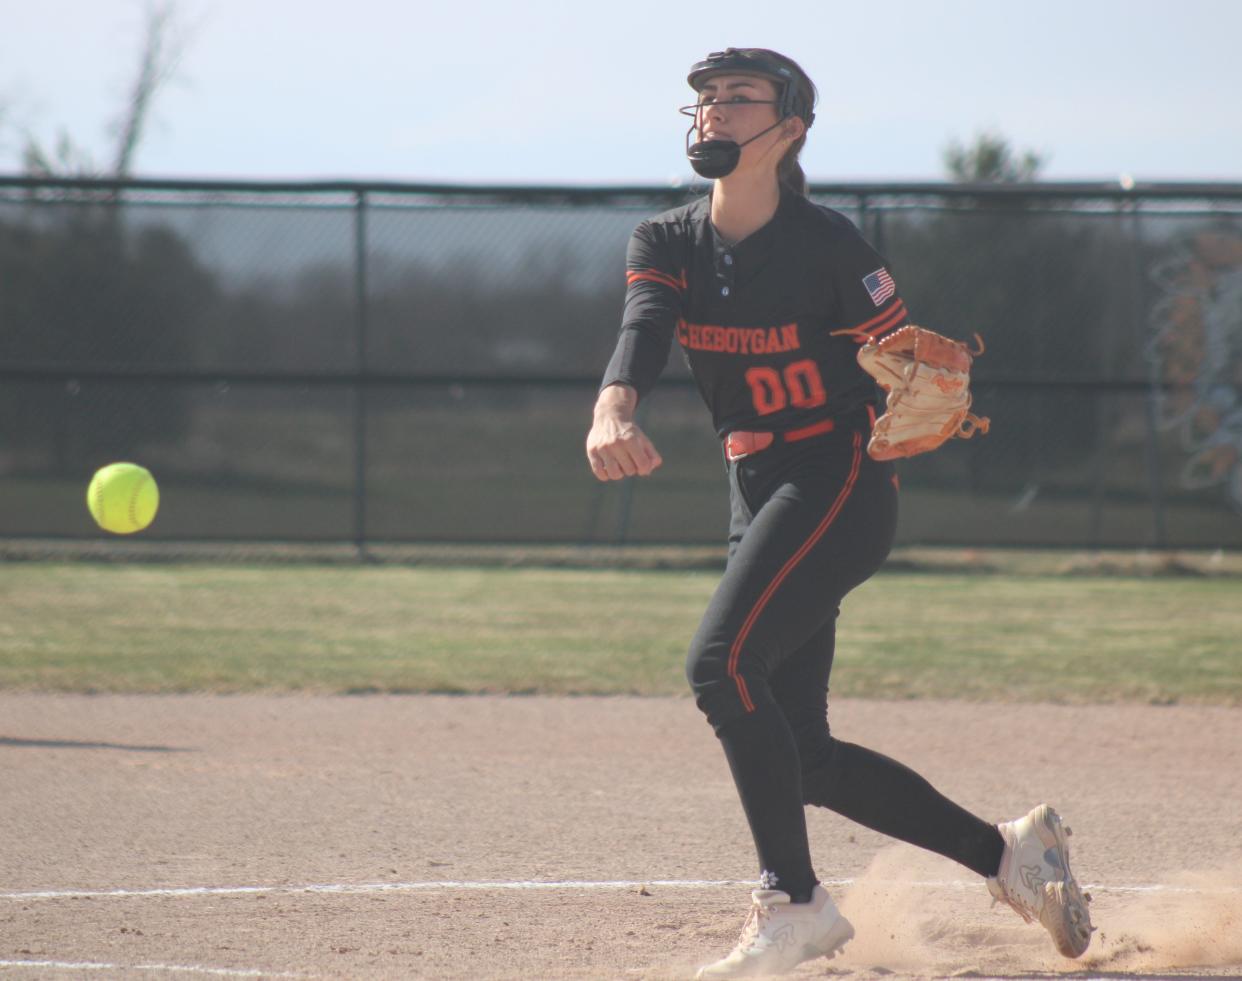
{"x":718,"y":158}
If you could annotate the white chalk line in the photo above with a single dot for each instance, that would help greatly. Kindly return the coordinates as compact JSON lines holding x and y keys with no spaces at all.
{"x":346,"y":888}
{"x":165,"y":968}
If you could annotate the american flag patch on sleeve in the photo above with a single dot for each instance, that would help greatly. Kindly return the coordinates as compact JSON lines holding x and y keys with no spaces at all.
{"x":880,"y":285}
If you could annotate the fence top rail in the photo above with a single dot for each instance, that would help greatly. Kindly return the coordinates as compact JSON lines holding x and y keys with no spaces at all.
{"x":1046,"y":190}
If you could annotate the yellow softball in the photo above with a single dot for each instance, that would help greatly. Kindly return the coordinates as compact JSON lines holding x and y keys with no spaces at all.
{"x":123,"y":498}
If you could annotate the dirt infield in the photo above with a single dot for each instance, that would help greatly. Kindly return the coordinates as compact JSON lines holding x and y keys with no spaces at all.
{"x":529,"y":837}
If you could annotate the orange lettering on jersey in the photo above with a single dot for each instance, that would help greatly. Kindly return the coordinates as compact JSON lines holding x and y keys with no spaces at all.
{"x":738,"y":340}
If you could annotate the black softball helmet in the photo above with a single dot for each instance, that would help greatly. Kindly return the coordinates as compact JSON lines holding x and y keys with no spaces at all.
{"x":718,"y":158}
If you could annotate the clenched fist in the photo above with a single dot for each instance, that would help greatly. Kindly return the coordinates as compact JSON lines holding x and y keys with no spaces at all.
{"x":615,"y":446}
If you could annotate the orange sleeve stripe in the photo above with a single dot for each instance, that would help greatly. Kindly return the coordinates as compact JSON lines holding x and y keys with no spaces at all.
{"x":877,"y":325}
{"x":884,"y":317}
{"x":899,"y":316}
{"x":655,"y":276}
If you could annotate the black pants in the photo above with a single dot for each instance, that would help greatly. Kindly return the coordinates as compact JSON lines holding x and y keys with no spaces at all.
{"x":810,"y":521}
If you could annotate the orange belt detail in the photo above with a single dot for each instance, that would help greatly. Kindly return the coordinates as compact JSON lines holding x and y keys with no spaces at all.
{"x":741,"y":443}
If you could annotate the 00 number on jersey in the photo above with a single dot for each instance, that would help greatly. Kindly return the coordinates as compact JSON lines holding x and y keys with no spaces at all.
{"x":799,"y":384}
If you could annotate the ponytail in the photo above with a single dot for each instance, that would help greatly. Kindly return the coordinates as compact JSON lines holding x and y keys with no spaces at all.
{"x":790,"y":173}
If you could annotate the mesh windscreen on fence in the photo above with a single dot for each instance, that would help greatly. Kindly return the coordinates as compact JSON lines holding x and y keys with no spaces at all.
{"x":409,"y":364}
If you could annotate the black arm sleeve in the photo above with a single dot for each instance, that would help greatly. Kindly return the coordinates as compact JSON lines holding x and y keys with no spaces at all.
{"x":653,"y":303}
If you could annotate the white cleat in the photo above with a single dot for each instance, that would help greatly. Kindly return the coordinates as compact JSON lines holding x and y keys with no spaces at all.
{"x":780,"y":935}
{"x":1035,"y":879}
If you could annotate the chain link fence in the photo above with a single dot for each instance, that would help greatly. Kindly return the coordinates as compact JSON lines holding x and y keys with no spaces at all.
{"x":396,"y":363}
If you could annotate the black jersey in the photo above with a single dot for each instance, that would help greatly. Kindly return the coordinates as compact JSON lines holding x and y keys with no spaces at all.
{"x":770,"y":326}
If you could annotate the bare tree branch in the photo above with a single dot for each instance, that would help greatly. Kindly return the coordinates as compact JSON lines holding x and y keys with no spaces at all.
{"x":162,"y":48}
{"x":66,"y":160}
{"x":163,"y":44}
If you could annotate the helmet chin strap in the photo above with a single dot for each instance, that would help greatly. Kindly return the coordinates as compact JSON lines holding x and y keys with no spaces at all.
{"x":719,"y":158}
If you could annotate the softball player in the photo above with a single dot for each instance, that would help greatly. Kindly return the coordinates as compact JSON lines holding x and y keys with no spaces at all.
{"x":769,"y":297}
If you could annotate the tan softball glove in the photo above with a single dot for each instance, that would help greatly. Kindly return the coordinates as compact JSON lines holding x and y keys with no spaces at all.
{"x":927,"y":377}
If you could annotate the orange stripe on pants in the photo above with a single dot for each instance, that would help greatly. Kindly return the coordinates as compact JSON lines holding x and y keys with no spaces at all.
{"x":736,"y":650}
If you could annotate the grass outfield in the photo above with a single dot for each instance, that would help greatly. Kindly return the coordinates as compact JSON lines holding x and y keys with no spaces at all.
{"x":226,"y":628}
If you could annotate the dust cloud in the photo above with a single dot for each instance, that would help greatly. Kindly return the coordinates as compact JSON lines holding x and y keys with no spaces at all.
{"x":916,"y":913}
{"x":1189,"y":919}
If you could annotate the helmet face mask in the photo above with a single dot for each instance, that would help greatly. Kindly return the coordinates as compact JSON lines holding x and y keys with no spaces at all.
{"x":718,"y":158}
{"x":731,"y":61}
{"x":694,"y":108}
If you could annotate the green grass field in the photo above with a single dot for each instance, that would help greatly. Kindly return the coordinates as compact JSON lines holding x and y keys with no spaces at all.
{"x":231,"y":628}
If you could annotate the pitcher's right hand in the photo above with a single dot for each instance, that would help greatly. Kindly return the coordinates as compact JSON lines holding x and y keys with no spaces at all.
{"x":616,"y":447}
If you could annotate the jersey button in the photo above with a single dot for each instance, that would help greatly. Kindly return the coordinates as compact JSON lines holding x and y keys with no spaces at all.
{"x":724,"y":291}
{"x":728,"y":260}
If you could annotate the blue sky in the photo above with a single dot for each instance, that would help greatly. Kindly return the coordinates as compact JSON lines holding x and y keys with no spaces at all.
{"x":556,"y":92}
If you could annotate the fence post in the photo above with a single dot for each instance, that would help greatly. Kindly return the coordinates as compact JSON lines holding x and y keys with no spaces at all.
{"x":360,"y":360}
{"x":876,"y":216}
{"x":1139,"y":306}
{"x":1105,"y":412}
